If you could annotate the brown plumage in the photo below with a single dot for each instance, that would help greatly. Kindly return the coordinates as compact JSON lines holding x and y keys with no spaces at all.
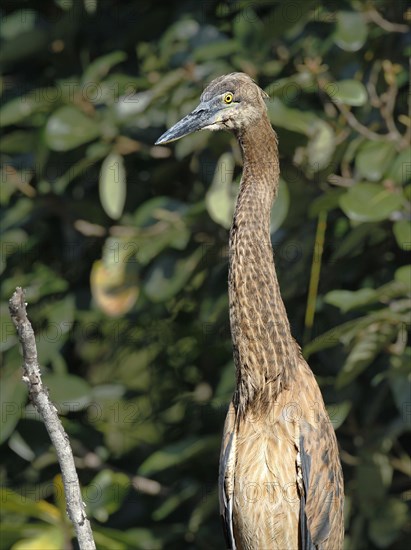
{"x":280,"y":479}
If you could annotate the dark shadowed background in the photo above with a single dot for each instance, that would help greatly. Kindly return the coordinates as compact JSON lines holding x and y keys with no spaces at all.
{"x":122,"y":249}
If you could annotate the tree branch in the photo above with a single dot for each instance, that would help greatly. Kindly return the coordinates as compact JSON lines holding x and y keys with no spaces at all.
{"x":360,"y":128}
{"x":374,"y":16}
{"x":40,"y":399}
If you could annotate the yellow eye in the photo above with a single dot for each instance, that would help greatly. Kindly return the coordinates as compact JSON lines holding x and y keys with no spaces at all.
{"x":228,"y":98}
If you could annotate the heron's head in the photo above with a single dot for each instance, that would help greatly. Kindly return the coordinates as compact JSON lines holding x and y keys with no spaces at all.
{"x":230,"y":102}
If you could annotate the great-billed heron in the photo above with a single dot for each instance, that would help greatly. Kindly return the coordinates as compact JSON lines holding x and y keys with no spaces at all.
{"x":280,"y":482}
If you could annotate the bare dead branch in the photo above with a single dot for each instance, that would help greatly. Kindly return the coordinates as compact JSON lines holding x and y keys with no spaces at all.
{"x":40,"y":399}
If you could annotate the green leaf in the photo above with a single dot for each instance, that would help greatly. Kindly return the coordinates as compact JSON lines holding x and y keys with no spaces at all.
{"x":280,"y":207}
{"x":14,"y":241}
{"x":19,"y":109}
{"x":347,"y":300}
{"x":402,"y":232}
{"x":321,"y":145}
{"x":348,"y":331}
{"x":173,"y":502}
{"x":23,"y":505}
{"x":101,"y":66}
{"x":25,"y":46}
{"x":325,"y":202}
{"x":338,"y":413}
{"x":226,"y":383}
{"x":399,"y":380}
{"x":97,"y":150}
{"x":204,"y":510}
{"x":75,"y":170}
{"x":169,"y":274}
{"x":215,"y":50}
{"x":374,"y":158}
{"x":370,"y":343}
{"x":17,"y":22}
{"x":18,"y":142}
{"x":113,"y":280}
{"x":283,"y":19}
{"x":220,"y":198}
{"x":350,"y":92}
{"x":50,"y":539}
{"x":291,"y":119}
{"x":400,"y":170}
{"x":112,"y":185}
{"x":67,"y":391}
{"x":351,"y":32}
{"x":195,"y":142}
{"x":289,"y":88}
{"x":249,"y":32}
{"x":60,"y":321}
{"x":161,"y":223}
{"x":370,"y":480}
{"x":8,"y":330}
{"x":355,"y":241}
{"x":19,"y":214}
{"x":388,"y":522}
{"x":403,"y":275}
{"x":61,"y":313}
{"x":20,"y":447}
{"x":13,"y":395}
{"x":175,"y":234}
{"x":177,"y":453}
{"x":369,"y":202}
{"x":148,"y":213}
{"x":68,"y":128}
{"x":105,"y":494}
{"x":41,"y":281}
{"x":143,"y":539}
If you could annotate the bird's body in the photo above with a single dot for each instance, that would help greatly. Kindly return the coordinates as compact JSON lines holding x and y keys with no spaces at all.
{"x":280,"y":476}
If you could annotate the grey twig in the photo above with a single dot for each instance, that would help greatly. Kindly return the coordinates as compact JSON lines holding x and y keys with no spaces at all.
{"x":40,"y":399}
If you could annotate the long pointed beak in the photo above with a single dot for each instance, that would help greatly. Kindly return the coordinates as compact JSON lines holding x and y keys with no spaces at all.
{"x":202,"y":116}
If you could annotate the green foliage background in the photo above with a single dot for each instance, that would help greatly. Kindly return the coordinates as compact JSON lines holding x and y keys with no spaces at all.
{"x":122,"y":249}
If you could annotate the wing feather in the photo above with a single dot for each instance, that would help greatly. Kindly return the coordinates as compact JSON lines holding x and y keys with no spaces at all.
{"x":226,"y":479}
{"x":305,"y":536}
{"x":322,"y":526}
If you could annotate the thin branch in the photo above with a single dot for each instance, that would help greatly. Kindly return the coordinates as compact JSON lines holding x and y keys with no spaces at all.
{"x":342,"y":136}
{"x":147,"y":486}
{"x":18,"y":179}
{"x":341,"y":181}
{"x":360,"y":128}
{"x":40,"y":399}
{"x":374,"y":16}
{"x":387,"y":109}
{"x":315,"y":274}
{"x":349,"y":459}
{"x":139,"y":483}
{"x":386,"y":103}
{"x":372,"y":85}
{"x":392,"y":135}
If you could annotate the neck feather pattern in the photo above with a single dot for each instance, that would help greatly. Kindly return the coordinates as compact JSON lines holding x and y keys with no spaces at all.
{"x":265,"y":353}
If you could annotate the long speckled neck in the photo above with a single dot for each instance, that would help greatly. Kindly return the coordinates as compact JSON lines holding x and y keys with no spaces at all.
{"x":264,"y":350}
